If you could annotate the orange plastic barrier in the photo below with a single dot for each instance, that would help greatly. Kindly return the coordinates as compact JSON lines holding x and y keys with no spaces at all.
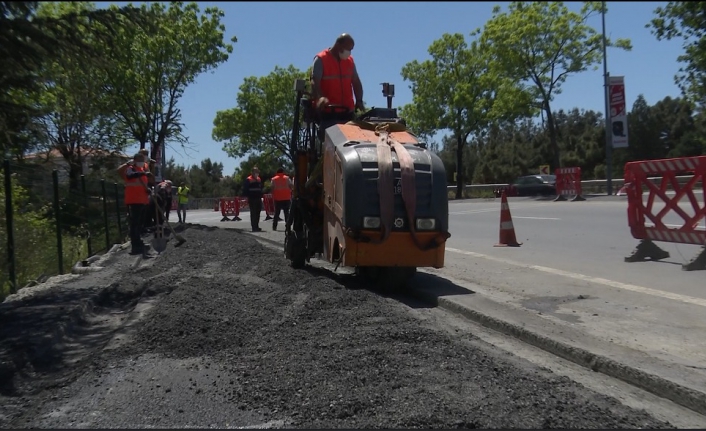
{"x":269,"y":205}
{"x":243,"y":203}
{"x":640,"y":212}
{"x":230,"y":207}
{"x":568,"y":183}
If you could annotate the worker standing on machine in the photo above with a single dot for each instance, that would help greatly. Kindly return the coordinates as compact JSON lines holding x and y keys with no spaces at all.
{"x":282,"y":195}
{"x":334,"y":81}
{"x":252,"y":190}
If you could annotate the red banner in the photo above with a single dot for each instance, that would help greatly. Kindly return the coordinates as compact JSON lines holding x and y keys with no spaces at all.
{"x":618,"y":112}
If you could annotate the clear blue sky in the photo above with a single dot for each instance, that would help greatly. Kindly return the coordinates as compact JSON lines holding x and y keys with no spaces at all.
{"x":388,"y":35}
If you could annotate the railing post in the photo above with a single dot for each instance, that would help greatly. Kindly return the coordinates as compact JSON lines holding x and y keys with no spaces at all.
{"x":105,"y":216}
{"x":117,"y":212}
{"x":57,"y":216}
{"x":12,"y":269}
{"x":88,"y":219}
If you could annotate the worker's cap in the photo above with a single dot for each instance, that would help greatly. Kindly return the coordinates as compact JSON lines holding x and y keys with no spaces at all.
{"x":345,"y":37}
{"x":280,"y":170}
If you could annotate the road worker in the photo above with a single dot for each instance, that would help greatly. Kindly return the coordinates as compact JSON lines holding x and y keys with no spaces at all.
{"x":252,"y":190}
{"x":334,"y":81}
{"x":137,"y":199}
{"x":282,"y":187}
{"x":182,"y":201}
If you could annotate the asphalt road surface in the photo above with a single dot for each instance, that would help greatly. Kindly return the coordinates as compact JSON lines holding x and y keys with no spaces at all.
{"x":570,"y":281}
{"x":221,"y":332}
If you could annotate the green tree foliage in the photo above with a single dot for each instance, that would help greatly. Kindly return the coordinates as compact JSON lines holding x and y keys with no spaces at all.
{"x":27,"y":43}
{"x":542,"y":43}
{"x":261,"y":123}
{"x":151,"y":65}
{"x":454,"y":91}
{"x":508,"y":149}
{"x":77,"y":117}
{"x":686,"y":20}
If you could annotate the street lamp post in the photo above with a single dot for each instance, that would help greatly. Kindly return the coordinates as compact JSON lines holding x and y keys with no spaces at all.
{"x":606,"y":93}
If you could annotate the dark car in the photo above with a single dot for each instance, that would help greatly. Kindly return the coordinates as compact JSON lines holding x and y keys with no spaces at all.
{"x":531,"y":185}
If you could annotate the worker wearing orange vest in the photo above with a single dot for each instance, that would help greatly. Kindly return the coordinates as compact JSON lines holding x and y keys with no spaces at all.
{"x":334,"y":81}
{"x":282,"y":195}
{"x":137,"y":199}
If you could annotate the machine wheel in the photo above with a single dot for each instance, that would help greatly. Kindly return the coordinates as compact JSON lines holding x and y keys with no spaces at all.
{"x":388,"y":279}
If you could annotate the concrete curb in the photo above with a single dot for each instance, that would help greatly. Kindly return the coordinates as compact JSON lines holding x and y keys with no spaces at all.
{"x":654,"y":384}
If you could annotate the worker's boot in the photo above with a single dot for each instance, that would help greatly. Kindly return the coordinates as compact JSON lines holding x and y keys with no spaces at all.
{"x":137,"y":249}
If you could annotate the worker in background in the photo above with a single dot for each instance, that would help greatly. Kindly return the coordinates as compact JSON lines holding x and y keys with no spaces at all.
{"x":149,"y":221}
{"x":164,"y":191}
{"x":334,"y":81}
{"x":182,"y":201}
{"x":137,"y":200}
{"x":282,"y":187}
{"x":252,"y":190}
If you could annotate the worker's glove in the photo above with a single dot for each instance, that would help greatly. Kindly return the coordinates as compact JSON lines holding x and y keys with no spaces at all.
{"x":323,"y":101}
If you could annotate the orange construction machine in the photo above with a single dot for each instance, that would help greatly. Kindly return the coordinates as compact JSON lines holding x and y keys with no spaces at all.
{"x":368,"y":194}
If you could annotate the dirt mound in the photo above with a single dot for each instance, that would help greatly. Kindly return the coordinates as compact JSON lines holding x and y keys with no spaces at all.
{"x":305,"y":348}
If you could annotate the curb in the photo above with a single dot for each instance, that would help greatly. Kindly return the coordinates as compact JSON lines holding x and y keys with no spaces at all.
{"x":663,"y":388}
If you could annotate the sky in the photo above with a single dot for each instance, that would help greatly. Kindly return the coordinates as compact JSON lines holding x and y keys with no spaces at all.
{"x":387,"y":36}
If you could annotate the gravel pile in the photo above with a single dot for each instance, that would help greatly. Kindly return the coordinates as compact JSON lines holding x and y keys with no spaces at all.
{"x":302,"y":350}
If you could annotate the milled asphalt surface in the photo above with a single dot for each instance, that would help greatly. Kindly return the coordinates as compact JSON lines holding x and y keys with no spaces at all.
{"x":220,"y":332}
{"x":568,"y":283}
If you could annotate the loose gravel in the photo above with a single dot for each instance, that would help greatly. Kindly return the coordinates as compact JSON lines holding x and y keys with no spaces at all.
{"x":226,"y":334}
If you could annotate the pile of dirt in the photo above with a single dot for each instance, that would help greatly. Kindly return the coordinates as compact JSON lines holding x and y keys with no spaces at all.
{"x":301,"y":345}
{"x":242,"y":334}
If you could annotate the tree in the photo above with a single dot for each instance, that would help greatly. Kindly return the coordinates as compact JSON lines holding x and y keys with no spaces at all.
{"x":262,"y":121}
{"x":77,"y":116}
{"x":153,"y":64}
{"x":686,"y":20}
{"x":454,"y":91}
{"x":28,"y":42}
{"x":542,"y":43}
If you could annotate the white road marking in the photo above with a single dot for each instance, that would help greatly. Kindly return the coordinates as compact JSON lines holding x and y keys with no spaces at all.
{"x":538,"y":218}
{"x":597,"y":280}
{"x":489,"y":210}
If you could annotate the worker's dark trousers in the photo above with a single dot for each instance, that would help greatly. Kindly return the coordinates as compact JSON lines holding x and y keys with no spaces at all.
{"x":255,"y":205}
{"x":328,"y":119}
{"x":136,"y":213}
{"x":282,"y":206}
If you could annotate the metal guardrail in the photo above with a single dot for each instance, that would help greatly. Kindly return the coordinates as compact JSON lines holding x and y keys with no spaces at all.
{"x":596,"y":186}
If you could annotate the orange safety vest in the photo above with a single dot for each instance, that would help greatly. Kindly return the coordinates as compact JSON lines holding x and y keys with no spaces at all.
{"x":136,"y":189}
{"x":337,"y":79}
{"x":280,"y":188}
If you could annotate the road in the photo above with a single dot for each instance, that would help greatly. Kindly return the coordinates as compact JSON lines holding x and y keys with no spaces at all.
{"x":569,"y":280}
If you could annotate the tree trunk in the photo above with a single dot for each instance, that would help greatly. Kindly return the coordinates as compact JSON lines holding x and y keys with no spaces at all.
{"x":459,"y":167}
{"x":74,"y":175}
{"x":552,"y":136}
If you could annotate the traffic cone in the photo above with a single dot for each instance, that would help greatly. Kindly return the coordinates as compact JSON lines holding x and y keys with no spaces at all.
{"x":507,"y":229}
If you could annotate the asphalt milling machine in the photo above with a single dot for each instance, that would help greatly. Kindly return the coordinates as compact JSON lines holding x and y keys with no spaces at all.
{"x":368,"y":194}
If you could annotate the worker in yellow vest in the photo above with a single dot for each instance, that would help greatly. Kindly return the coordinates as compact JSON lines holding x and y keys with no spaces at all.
{"x":282,"y":195}
{"x":183,"y":200}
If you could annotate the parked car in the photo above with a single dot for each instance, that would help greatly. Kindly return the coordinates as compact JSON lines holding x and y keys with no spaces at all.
{"x":531,"y":185}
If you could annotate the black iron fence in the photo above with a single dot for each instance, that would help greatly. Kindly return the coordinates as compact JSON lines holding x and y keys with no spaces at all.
{"x":49,"y":221}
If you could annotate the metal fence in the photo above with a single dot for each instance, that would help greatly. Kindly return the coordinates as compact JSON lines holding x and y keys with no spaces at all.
{"x":48,"y":222}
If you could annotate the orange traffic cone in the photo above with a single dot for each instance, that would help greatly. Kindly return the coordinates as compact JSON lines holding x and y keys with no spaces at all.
{"x":507,"y":229}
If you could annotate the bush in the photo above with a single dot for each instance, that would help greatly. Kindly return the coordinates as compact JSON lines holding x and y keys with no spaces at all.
{"x":36,"y":251}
